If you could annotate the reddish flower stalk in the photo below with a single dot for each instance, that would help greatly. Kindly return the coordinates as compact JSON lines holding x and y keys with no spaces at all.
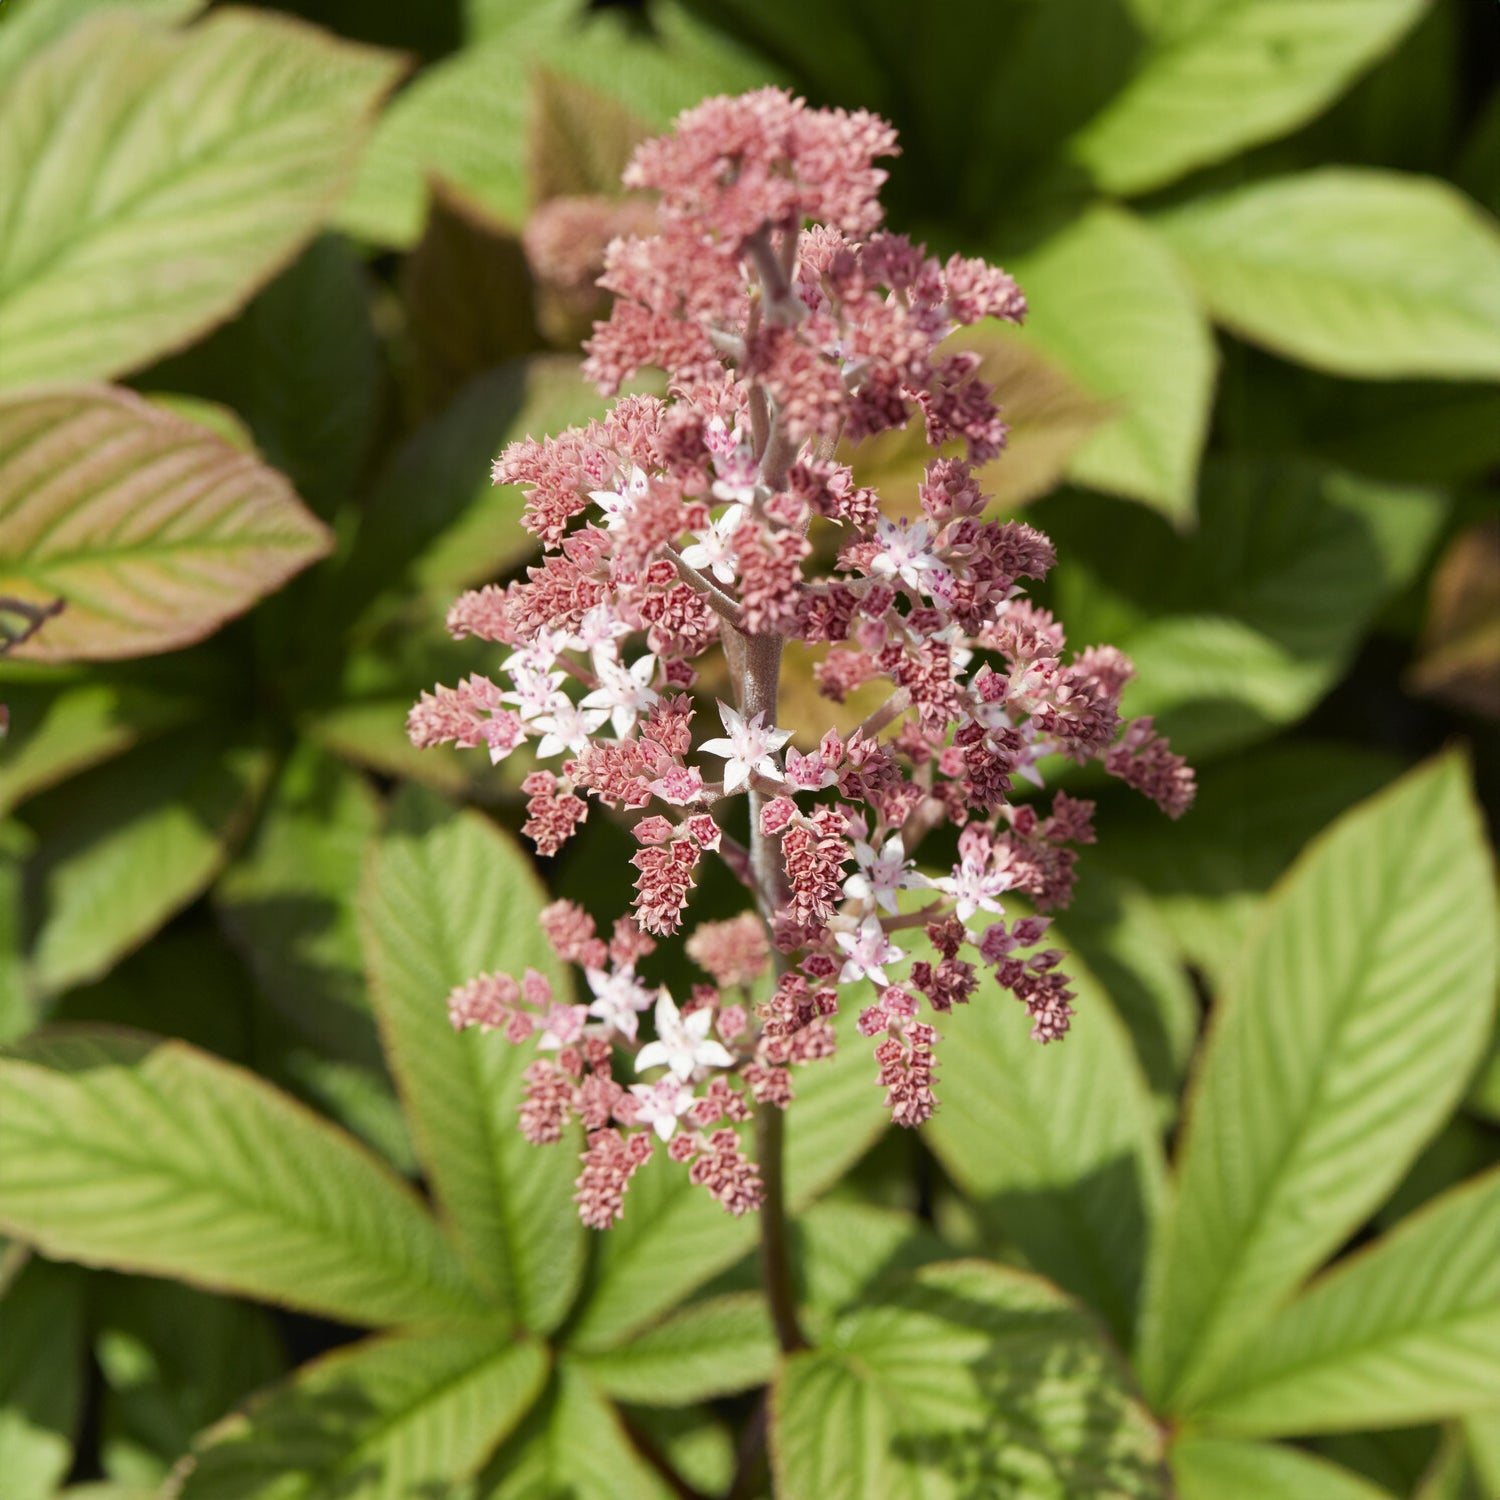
{"x":715,"y":520}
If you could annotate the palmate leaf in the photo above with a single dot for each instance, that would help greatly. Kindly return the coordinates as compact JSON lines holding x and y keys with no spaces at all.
{"x":1221,"y":75}
{"x":1211,"y":1468}
{"x":152,"y":530}
{"x":130,"y":844}
{"x":1355,"y":1017}
{"x":1109,"y":303}
{"x":151,"y":180}
{"x":41,"y":1378}
{"x":1361,"y":273}
{"x":122,"y":1150}
{"x":1406,"y":1331}
{"x":1059,"y":1142}
{"x":965,"y":1370}
{"x":448,"y":897}
{"x":573,"y":1443}
{"x":395,"y":1418}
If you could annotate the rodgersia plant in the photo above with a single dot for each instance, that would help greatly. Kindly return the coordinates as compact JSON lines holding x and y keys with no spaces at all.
{"x":717,"y":521}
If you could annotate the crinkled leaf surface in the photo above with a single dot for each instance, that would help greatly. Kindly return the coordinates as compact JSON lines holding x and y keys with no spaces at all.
{"x":29,"y":26}
{"x":1406,"y":1331}
{"x":1060,"y":1142}
{"x":1354,"y":1020}
{"x":967,"y":1375}
{"x":130,"y":844}
{"x":396,"y":1418}
{"x":448,"y":897}
{"x":123,"y":1150}
{"x":1221,"y":75}
{"x":150,"y":528}
{"x":1363,"y":273}
{"x":150,"y":180}
{"x":1109,"y":303}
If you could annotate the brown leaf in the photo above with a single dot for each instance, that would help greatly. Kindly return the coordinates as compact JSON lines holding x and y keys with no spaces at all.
{"x":151,"y":529}
{"x":1460,"y":662}
{"x":469,"y":299}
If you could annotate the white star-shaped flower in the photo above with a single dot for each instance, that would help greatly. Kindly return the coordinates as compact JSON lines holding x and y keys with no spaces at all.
{"x":662,"y":1104}
{"x":714,"y":549}
{"x":618,"y":998}
{"x":535,"y":690}
{"x":905,"y":552}
{"x":619,"y":505}
{"x":566,"y":726}
{"x":746,"y":747}
{"x":973,"y":888}
{"x":881,"y":875}
{"x":624,"y":693}
{"x":597,"y":633}
{"x":682,"y":1042}
{"x":867,"y":952}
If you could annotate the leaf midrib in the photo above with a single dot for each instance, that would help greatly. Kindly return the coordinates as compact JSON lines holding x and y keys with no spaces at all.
{"x":380,"y":1259}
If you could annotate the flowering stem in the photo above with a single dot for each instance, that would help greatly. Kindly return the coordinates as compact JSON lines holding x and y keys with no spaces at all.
{"x":775,"y":1252}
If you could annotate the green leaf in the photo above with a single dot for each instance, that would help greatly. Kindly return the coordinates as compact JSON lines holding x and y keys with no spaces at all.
{"x":152,"y":530}
{"x":63,"y":721}
{"x":573,"y":1444}
{"x":130,"y":844}
{"x":1210,"y":1468}
{"x":28,"y":26}
{"x":288,"y":901}
{"x":465,"y":120}
{"x":1244,"y":625}
{"x":843,"y":1251}
{"x":1109,"y":303}
{"x":1361,"y":273}
{"x":1222,"y":75}
{"x":1120,"y":937}
{"x":449,"y":897}
{"x":673,"y":1236}
{"x":173,"y":1360}
{"x":966,"y":1370}
{"x":1408,"y":1330}
{"x":41,"y":1379}
{"x":1483,"y":1433}
{"x":709,"y":1349}
{"x":409,"y":1415}
{"x":1208,"y":874}
{"x":1059,"y":1143}
{"x":151,"y":180}
{"x":435,"y":519}
{"x":18,"y":1010}
{"x":303,"y":366}
{"x":697,"y":1443}
{"x":122,"y":1150}
{"x":1355,"y":1017}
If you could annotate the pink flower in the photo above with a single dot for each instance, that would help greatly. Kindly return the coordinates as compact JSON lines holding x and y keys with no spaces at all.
{"x":662,"y":1104}
{"x":881,"y":875}
{"x":867,"y":951}
{"x":618,"y":998}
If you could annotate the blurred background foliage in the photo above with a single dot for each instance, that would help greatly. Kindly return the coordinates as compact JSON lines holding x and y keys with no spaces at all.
{"x":276,"y":284}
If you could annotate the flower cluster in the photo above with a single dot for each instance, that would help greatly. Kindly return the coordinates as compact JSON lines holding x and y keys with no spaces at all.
{"x":705,"y":532}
